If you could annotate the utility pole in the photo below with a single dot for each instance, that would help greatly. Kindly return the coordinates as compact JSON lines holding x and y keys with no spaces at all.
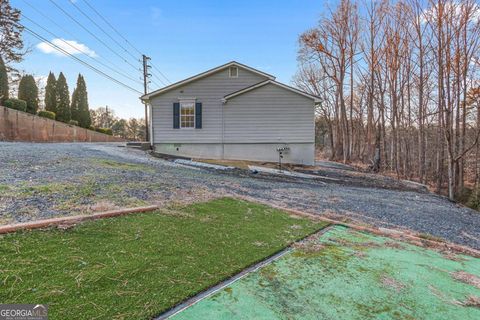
{"x":146,"y":75}
{"x":107,"y":122}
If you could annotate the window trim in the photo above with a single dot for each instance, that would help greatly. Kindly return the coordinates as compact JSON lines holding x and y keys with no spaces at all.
{"x":230,"y":71}
{"x":182,"y":102}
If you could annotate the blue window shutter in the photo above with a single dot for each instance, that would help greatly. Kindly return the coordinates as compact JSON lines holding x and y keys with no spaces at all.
{"x":198,"y":115}
{"x":176,"y":115}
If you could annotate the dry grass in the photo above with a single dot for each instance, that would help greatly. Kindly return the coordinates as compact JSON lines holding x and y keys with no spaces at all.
{"x":390,"y":282}
{"x":467,"y":278}
{"x":394,"y":245}
{"x":452,"y":256}
{"x":103,"y":205}
{"x":472,"y":301}
{"x":308,"y":246}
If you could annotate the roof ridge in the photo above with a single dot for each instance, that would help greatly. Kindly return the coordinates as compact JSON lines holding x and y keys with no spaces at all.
{"x":204,"y":74}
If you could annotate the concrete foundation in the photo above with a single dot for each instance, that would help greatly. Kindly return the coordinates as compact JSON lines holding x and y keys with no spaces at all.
{"x":298,"y":153}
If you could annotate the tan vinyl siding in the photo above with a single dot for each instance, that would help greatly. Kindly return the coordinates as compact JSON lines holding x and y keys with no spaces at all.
{"x":209,"y":91}
{"x":269,"y":114}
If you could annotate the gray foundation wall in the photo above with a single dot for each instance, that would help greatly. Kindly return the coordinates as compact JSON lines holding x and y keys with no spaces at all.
{"x":299,"y":153}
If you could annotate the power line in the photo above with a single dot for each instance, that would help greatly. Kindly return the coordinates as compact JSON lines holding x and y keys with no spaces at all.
{"x":48,"y":18}
{"x":111,"y":26}
{"x":156,"y":83}
{"x":121,"y":36}
{"x":67,"y":32}
{"x":79,"y":50}
{"x":92,"y":34}
{"x":161,"y":74}
{"x":103,"y":30}
{"x":78,"y":59}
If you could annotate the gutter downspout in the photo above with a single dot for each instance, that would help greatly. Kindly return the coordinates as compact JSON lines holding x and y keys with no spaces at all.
{"x":150,"y":124}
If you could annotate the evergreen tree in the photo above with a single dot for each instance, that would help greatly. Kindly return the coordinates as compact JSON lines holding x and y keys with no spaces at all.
{"x":11,"y":42}
{"x":28,"y":92}
{"x":79,"y":106}
{"x":3,"y":81}
{"x":63,"y":99}
{"x":50,"y":94}
{"x":74,"y":108}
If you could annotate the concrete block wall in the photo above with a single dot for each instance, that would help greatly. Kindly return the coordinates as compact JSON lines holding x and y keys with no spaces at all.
{"x":21,"y":126}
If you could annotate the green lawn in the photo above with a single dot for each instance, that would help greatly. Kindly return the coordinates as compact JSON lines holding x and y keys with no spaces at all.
{"x":135,"y":267}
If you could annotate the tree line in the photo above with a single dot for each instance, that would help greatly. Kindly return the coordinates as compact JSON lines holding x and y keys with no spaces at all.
{"x":60,"y":106}
{"x":130,"y":129}
{"x":57,"y":102}
{"x":400,"y":87}
{"x":57,"y":97}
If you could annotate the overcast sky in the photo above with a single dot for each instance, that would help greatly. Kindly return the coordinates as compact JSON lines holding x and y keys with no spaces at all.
{"x":183,"y":38}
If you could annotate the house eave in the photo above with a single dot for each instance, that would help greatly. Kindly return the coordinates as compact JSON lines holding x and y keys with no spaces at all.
{"x":148,"y":96}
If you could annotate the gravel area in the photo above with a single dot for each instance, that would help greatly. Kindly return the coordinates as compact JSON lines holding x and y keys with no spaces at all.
{"x":45,"y":180}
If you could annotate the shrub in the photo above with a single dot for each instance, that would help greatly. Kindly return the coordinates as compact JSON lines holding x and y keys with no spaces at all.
{"x":16,"y":104}
{"x":463,"y":195}
{"x":46,"y":114}
{"x":73,"y":122}
{"x":474,"y":200}
{"x":104,"y":130}
{"x":91,"y":128}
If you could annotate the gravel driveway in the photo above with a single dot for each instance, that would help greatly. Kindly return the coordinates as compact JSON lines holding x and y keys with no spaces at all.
{"x":44,"y":180}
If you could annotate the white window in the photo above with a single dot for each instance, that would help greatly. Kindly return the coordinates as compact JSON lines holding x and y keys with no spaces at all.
{"x":187,"y":114}
{"x":233,"y":72}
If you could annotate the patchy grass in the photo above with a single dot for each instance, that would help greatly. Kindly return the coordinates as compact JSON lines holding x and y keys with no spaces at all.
{"x":79,"y":196}
{"x":112,"y":164}
{"x":136,"y":266}
{"x":427,"y":236}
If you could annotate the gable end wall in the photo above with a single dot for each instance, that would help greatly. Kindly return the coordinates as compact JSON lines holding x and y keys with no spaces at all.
{"x":210,"y":92}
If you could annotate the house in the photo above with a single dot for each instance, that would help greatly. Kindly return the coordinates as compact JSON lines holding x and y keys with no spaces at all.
{"x":233,"y":112}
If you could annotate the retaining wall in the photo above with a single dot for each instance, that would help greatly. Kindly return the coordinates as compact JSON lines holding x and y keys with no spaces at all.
{"x":21,"y":126}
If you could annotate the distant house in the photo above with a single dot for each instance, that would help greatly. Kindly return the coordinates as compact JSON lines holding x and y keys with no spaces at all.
{"x":233,"y":112}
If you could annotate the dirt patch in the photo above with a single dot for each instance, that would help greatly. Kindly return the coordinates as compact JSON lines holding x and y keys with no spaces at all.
{"x":452,"y":256}
{"x":394,"y":245}
{"x":335,"y":216}
{"x":354,"y":244}
{"x":103,"y":206}
{"x":309,"y":246}
{"x":184,"y":197}
{"x":391,"y":283}
{"x":472,"y":301}
{"x":467,"y":278}
{"x":360,"y":254}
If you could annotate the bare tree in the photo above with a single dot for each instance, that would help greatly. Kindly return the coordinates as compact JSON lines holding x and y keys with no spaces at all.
{"x":396,"y":81}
